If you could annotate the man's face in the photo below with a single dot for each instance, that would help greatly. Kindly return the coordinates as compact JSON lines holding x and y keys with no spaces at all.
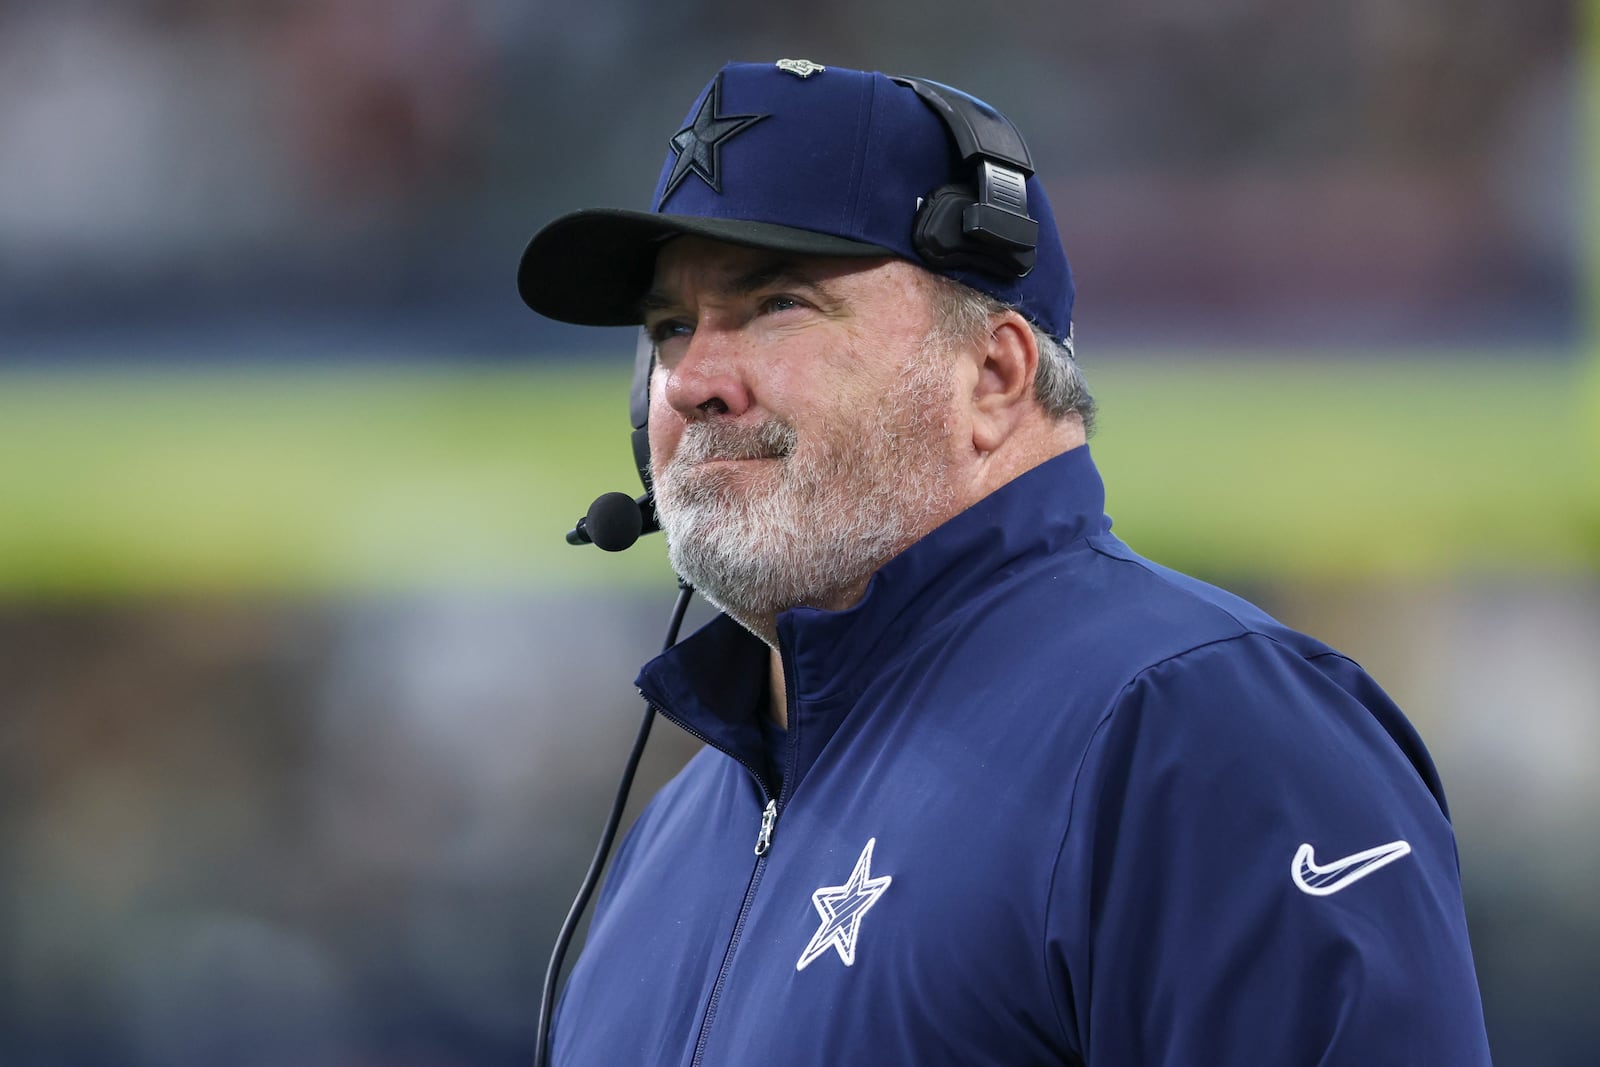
{"x":799,"y":422}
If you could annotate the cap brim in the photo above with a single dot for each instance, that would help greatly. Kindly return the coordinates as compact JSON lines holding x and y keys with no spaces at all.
{"x":593,"y":267}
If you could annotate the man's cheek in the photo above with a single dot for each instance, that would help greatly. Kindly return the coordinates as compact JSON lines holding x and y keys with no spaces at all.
{"x":665,"y":434}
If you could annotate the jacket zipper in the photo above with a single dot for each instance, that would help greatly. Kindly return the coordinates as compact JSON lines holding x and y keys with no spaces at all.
{"x":769,"y":820}
{"x":769,"y":823}
{"x":769,"y":813}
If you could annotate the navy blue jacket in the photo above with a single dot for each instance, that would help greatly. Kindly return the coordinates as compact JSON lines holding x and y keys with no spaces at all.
{"x":1042,"y":802}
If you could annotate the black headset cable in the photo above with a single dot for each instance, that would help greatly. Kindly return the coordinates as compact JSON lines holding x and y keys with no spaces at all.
{"x":608,"y":836}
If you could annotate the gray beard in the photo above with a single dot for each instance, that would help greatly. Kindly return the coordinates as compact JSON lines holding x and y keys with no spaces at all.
{"x":835,"y":510}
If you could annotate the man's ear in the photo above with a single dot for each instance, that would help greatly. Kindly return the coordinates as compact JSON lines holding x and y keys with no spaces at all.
{"x":1003,"y":393}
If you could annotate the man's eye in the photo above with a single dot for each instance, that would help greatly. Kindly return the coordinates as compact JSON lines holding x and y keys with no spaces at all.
{"x":667,"y":329}
{"x":773,"y":304}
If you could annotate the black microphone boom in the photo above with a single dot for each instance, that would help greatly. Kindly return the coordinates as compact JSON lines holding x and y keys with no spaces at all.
{"x":614,"y":522}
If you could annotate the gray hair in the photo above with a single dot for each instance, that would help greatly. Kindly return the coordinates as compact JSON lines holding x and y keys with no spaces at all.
{"x":962,"y":313}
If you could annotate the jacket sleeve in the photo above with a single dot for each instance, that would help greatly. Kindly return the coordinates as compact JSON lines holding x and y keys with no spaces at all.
{"x":1211,"y":901}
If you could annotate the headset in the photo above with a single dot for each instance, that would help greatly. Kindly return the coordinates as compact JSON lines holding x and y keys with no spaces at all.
{"x":981,"y":224}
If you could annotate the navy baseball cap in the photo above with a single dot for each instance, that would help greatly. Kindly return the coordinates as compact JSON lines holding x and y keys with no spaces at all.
{"x":794,"y":157}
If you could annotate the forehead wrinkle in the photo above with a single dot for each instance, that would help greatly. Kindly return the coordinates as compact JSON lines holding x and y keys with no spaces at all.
{"x":737,"y":280}
{"x":766,"y":274}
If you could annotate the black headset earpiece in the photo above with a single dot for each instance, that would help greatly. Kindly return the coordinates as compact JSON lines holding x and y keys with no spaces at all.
{"x":644,"y":362}
{"x":611,"y":522}
{"x":982,"y":223}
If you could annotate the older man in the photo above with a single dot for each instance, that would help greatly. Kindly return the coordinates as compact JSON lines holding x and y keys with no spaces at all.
{"x":981,"y":785}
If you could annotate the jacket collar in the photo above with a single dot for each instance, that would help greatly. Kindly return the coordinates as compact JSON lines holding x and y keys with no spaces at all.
{"x":713,"y":683}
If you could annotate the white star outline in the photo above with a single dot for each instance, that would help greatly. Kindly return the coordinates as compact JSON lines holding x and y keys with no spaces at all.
{"x":841,"y":908}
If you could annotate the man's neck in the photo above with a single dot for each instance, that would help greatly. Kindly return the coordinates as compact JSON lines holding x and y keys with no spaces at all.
{"x":777,"y":690}
{"x":766,"y":628}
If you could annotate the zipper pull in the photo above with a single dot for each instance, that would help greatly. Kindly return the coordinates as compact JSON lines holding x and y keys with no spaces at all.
{"x":769,"y":819}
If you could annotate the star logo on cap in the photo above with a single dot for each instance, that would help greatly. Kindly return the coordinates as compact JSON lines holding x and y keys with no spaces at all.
{"x":699,"y":144}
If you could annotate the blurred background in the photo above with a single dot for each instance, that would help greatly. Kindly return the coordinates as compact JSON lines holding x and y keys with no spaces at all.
{"x":308,"y":717}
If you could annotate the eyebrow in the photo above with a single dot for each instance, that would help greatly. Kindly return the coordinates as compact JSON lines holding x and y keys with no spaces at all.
{"x":762,"y":276}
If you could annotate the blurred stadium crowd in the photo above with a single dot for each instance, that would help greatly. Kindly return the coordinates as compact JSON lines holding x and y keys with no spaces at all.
{"x":248,"y":830}
{"x":355,"y":175}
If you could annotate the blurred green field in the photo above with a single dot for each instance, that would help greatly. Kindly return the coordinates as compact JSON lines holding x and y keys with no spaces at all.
{"x":186,"y":481}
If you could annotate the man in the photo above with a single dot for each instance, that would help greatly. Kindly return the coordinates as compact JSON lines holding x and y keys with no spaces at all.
{"x":980,"y":785}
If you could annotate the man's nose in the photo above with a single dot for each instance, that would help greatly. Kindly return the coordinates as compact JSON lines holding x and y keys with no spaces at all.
{"x":707,"y":379}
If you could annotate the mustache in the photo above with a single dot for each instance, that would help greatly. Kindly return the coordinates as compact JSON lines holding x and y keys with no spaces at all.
{"x":705,"y":441}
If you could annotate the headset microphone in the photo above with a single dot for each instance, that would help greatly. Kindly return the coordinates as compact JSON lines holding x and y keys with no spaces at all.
{"x":614,"y":522}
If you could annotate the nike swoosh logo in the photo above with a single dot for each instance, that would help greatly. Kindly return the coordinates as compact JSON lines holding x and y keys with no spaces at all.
{"x":1323,"y":879}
